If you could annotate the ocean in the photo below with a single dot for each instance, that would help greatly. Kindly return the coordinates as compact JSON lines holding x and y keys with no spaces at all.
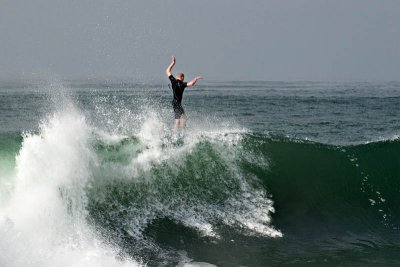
{"x":265,"y":174}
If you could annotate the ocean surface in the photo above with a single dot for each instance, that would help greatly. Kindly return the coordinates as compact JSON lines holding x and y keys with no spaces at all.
{"x":266,"y":174}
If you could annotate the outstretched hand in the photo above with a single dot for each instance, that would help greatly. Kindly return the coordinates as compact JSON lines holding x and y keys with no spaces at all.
{"x":193,"y":82}
{"x":169,"y":69}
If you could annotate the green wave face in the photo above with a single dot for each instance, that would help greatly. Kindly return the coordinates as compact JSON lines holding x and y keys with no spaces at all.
{"x":197,"y":188}
{"x":327,"y":199}
{"x":342,"y":186}
{"x":9,"y":147}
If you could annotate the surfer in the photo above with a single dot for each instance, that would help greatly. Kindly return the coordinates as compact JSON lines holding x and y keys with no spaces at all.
{"x":178,"y":86}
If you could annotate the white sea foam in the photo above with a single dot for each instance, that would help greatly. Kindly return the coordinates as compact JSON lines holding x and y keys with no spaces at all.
{"x":392,"y":137}
{"x":44,"y":223}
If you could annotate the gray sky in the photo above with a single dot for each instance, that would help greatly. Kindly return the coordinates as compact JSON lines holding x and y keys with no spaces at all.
{"x":341,"y":40}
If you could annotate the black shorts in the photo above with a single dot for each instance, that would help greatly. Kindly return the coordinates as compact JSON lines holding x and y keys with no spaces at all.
{"x":178,"y":110}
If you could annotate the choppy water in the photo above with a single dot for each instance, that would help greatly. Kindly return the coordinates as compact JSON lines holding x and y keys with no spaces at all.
{"x":266,"y":174}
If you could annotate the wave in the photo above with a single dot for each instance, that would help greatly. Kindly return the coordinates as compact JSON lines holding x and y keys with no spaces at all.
{"x":97,"y":192}
{"x":80,"y":192}
{"x":338,"y":183}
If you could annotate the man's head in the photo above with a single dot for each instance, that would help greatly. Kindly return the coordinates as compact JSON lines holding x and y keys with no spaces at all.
{"x":180,"y":76}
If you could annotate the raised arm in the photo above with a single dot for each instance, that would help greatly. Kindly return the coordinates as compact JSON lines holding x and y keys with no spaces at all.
{"x":194,"y":81}
{"x":169,"y":69}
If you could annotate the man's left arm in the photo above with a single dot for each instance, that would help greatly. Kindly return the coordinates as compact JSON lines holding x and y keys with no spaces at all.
{"x":194,"y":81}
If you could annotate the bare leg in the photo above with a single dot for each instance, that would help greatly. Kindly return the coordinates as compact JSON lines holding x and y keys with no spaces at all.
{"x":183,"y":121}
{"x":176,"y":124}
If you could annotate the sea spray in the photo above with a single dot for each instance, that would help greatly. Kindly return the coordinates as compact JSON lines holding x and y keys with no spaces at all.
{"x":44,"y":222}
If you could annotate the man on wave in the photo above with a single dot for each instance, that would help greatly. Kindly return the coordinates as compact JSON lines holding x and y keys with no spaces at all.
{"x":178,"y":86}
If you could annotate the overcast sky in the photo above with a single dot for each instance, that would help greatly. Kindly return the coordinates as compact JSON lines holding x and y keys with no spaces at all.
{"x":323,"y":40}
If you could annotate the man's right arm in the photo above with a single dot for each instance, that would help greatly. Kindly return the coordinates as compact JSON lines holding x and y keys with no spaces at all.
{"x":194,"y":81}
{"x":169,"y":69}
